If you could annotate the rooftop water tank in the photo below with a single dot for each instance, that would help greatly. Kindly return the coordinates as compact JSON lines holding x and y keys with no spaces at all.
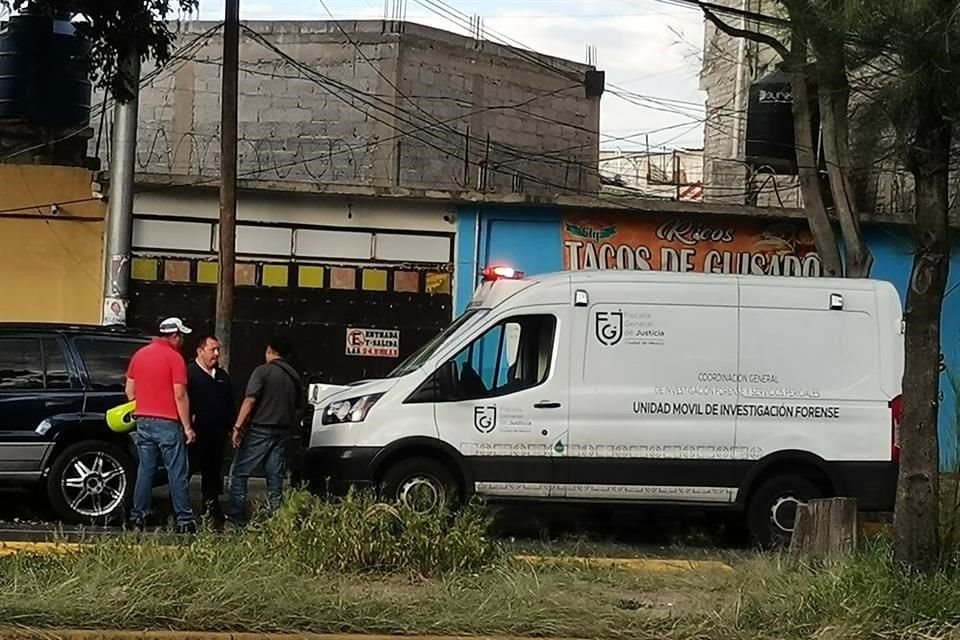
{"x":770,"y":140}
{"x":44,"y":72}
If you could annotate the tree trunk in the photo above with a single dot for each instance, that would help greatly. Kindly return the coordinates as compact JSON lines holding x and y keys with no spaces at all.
{"x":834,"y":96}
{"x":826,"y":531}
{"x":916,"y":521}
{"x":824,"y":237}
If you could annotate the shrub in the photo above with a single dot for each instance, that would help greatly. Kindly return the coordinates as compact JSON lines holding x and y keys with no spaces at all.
{"x":358,"y":534}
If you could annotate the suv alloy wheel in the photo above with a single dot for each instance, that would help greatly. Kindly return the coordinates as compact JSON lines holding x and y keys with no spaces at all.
{"x":91,"y":482}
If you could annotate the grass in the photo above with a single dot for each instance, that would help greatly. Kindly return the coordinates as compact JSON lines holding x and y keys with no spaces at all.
{"x":362,"y":568}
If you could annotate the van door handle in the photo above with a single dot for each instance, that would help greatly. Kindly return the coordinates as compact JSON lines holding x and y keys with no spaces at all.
{"x":547,"y":405}
{"x":56,"y":404}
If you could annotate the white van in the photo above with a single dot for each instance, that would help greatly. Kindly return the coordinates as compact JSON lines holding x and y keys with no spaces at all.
{"x":750,"y":393}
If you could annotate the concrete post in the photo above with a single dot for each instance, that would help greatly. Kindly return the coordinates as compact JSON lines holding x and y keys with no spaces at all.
{"x":116,"y":281}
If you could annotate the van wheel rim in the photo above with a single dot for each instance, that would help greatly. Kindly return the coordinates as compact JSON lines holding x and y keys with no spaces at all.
{"x":783,"y":513}
{"x":94,"y":484}
{"x":421,"y":494}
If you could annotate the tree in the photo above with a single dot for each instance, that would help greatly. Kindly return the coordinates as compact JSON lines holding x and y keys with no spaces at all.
{"x":115,"y":29}
{"x":918,"y":43}
{"x":826,"y":68}
{"x":912,"y":48}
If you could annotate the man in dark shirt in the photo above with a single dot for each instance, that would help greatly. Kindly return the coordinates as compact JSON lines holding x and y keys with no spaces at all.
{"x":211,"y":401}
{"x":268,"y":418}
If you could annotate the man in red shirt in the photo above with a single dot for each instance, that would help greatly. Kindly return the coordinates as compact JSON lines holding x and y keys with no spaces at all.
{"x":157,"y":380}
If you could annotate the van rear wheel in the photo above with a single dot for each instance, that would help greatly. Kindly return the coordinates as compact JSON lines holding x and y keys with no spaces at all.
{"x":772,"y":510}
{"x":420,"y":484}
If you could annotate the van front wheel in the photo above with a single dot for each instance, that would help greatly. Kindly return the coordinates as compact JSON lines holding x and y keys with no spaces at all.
{"x":420,"y":484}
{"x":772,"y":510}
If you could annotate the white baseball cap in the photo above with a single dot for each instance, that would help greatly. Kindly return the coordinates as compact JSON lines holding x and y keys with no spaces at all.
{"x":174,"y":325}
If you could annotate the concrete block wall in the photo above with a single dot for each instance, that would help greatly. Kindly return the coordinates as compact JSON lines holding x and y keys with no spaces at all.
{"x":501,"y":112}
{"x":310,"y":125}
{"x":723,"y":77}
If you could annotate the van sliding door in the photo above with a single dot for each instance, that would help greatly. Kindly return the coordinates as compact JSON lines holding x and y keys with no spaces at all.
{"x":654,"y":391}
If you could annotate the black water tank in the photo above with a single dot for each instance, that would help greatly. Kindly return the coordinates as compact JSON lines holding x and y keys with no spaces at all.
{"x":770,"y":140}
{"x":44,"y":72}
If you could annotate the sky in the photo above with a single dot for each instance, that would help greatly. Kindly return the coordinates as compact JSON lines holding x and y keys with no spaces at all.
{"x":650,"y":49}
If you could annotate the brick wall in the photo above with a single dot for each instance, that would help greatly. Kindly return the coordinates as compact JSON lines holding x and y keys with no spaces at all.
{"x":461,"y":106}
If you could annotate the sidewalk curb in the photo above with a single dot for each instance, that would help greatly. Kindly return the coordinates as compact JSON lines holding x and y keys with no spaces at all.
{"x":644,"y":565}
{"x":79,"y":634}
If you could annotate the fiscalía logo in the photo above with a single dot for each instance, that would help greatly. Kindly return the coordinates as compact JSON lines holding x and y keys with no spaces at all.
{"x":609,"y":327}
{"x":485,"y":418}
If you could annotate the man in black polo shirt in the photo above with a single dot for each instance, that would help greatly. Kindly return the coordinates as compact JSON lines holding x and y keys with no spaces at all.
{"x":270,"y":412}
{"x":213,"y":408}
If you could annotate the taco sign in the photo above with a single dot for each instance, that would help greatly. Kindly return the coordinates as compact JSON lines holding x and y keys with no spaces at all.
{"x":684,"y":245}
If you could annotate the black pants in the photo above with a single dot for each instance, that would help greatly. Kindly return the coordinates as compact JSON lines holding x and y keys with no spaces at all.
{"x":206,"y":457}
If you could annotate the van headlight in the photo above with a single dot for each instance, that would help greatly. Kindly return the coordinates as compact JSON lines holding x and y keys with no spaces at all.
{"x":352,"y":410}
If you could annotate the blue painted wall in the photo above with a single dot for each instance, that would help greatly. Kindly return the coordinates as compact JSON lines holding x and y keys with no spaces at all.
{"x":530,"y":239}
{"x":527,"y":239}
{"x":893,"y":252}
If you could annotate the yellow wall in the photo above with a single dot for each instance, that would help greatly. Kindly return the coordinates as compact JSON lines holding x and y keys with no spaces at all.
{"x":51,"y":265}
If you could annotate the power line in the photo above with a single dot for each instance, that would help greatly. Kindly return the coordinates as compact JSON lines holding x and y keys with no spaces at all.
{"x":391,"y":109}
{"x":729,"y":11}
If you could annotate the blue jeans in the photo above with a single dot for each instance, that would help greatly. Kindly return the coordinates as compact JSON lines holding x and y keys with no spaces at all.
{"x":261,"y":445}
{"x":158,"y":438}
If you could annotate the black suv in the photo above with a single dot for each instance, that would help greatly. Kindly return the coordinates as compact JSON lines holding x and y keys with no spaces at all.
{"x":56,"y":382}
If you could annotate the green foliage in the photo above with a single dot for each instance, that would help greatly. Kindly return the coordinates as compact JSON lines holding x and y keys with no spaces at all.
{"x":261,"y":581}
{"x":113,"y":27}
{"x":358,"y":534}
{"x":865,"y":597}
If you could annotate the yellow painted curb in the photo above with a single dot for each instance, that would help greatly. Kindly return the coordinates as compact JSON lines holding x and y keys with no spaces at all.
{"x":37,"y":548}
{"x":76,"y":634}
{"x":648,"y":565}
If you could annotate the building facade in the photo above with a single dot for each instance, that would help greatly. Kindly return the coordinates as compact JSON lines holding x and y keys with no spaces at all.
{"x":51,"y":244}
{"x":376,"y":103}
{"x":358,"y":282}
{"x":356,"y":142}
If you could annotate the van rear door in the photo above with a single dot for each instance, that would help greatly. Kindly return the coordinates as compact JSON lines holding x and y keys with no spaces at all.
{"x":811,"y":362}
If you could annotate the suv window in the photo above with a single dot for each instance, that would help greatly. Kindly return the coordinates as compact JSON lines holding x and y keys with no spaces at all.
{"x":106,"y":360}
{"x":29,"y":364}
{"x":512,"y":356}
{"x":57,"y":374}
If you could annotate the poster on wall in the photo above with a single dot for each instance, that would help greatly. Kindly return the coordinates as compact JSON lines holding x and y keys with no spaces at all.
{"x":689,"y":244}
{"x":373,"y":343}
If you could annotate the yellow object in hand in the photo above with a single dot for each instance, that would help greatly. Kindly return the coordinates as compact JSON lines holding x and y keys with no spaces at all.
{"x":120,"y":419}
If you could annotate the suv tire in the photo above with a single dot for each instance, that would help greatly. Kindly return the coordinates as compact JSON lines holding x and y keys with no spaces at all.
{"x":772,"y":509}
{"x":91,"y":482}
{"x":422,"y":484}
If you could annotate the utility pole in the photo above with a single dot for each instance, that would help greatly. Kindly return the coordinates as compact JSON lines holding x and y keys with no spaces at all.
{"x":116,"y":278}
{"x":228,"y":177}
